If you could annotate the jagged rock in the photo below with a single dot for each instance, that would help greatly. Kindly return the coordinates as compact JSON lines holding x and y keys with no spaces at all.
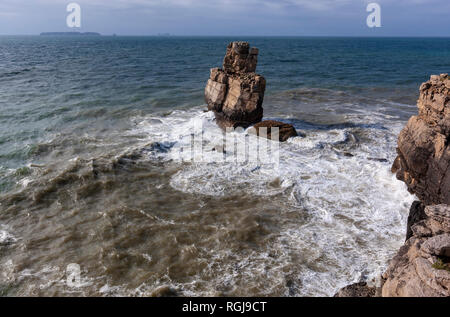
{"x":235,"y":93}
{"x":423,"y":161}
{"x":285,"y":131}
{"x":357,"y":290}
{"x":420,"y":267}
{"x":240,"y":58}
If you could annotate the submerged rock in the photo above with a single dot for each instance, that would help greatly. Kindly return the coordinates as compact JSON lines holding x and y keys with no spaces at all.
{"x":423,"y":161}
{"x":360,"y":289}
{"x":235,"y":93}
{"x":285,"y":131}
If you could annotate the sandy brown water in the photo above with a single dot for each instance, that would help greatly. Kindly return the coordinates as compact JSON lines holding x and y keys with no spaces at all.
{"x":140,"y":223}
{"x":88,"y":175}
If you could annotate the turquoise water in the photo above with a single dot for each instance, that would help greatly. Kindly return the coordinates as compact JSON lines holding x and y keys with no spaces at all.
{"x":82,"y":179}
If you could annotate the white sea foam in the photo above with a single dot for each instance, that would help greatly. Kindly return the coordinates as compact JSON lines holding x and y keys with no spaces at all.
{"x":5,"y":236}
{"x":357,"y":208}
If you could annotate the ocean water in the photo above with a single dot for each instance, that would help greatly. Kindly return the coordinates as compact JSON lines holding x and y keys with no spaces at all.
{"x":87,"y":176}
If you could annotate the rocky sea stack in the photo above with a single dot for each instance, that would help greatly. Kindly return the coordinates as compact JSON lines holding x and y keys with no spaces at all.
{"x":235,"y":93}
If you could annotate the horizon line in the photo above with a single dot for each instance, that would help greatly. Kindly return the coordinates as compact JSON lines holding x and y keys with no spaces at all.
{"x":246,"y":35}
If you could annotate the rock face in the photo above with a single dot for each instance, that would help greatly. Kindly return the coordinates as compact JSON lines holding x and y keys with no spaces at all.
{"x":235,"y":93}
{"x":285,"y":131}
{"x":421,"y":267}
{"x":423,"y":161}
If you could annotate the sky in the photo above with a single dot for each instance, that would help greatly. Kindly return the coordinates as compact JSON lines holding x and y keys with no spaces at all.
{"x":229,"y":17}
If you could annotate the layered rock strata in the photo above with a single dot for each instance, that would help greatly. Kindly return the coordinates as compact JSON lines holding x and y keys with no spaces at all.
{"x":421,"y":267}
{"x":235,"y":93}
{"x":423,"y":161}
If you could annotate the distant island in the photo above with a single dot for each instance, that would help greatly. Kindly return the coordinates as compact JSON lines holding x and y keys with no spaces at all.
{"x":71,"y":33}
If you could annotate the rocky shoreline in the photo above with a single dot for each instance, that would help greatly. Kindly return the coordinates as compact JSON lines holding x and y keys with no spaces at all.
{"x":235,"y":94}
{"x":421,"y":268}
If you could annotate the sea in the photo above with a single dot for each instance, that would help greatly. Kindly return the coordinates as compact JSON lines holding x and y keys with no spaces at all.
{"x":94,"y":203}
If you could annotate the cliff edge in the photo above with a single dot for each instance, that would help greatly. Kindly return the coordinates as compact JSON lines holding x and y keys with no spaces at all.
{"x":421,"y":268}
{"x":423,"y":160}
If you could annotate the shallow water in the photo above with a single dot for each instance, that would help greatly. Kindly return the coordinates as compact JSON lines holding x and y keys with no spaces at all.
{"x":89,"y":172}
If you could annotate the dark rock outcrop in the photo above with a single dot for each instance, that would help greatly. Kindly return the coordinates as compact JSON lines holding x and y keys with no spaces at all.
{"x":285,"y":131}
{"x":357,"y":290}
{"x":423,"y":161}
{"x":416,"y":214}
{"x":235,"y":93}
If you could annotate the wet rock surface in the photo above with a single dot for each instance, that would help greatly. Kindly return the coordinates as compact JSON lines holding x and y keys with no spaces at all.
{"x":357,"y":290}
{"x":266,"y":129}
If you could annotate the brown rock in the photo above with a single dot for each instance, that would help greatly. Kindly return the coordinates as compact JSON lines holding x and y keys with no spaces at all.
{"x":423,"y":161}
{"x":235,"y":93}
{"x":240,"y":58}
{"x":357,"y":290}
{"x":419,"y":268}
{"x":285,"y":131}
{"x":164,"y":291}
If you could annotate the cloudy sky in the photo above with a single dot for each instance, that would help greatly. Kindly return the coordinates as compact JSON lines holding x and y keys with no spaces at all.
{"x":229,"y":17}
